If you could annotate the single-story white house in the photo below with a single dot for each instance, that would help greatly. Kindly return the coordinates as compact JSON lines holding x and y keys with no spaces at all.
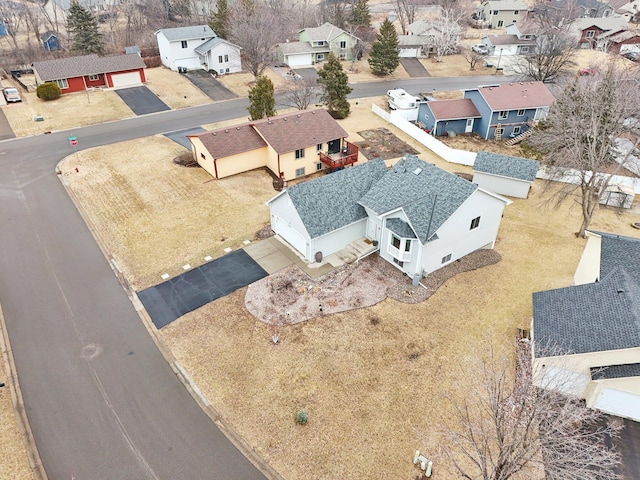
{"x":422,"y":217}
{"x":197,"y":48}
{"x":587,"y":336}
{"x":505,"y":175}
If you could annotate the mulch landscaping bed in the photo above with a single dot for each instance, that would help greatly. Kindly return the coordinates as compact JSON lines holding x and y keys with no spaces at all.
{"x":380,"y":142}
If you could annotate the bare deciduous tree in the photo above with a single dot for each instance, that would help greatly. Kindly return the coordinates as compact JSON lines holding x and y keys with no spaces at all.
{"x":406,"y":12}
{"x":447,"y":30}
{"x":299,"y":93}
{"x":507,"y":428}
{"x":580,"y":137}
{"x":472,"y":57}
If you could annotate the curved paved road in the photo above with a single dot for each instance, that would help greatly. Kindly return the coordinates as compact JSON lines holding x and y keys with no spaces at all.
{"x":101,"y":400}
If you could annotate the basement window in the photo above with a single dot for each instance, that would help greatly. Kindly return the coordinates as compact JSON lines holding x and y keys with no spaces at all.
{"x":475,"y":223}
{"x":299,"y":172}
{"x":446,"y":258}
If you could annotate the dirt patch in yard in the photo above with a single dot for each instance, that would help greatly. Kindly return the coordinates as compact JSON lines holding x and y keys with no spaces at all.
{"x":380,"y":142}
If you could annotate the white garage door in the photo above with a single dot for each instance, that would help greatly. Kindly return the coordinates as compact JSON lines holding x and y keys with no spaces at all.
{"x":617,"y":402}
{"x":299,"y":60}
{"x":408,"y":53}
{"x":292,"y":237}
{"x":130,"y":79}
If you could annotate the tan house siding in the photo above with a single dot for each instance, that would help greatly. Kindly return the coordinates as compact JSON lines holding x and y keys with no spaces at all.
{"x":242,"y":162}
{"x":202,"y":156}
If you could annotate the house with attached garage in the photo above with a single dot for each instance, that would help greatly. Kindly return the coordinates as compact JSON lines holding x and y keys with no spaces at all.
{"x":515,"y":40}
{"x":76,"y":74}
{"x":594,"y":326}
{"x":314,"y":45}
{"x":291,"y":145}
{"x":591,"y":31}
{"x":440,"y":117}
{"x":504,"y":175}
{"x":499,"y":13}
{"x":197,"y":48}
{"x":421,"y":217}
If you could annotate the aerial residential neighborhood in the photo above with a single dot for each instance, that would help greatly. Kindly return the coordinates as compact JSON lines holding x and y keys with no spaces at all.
{"x":267,"y":240}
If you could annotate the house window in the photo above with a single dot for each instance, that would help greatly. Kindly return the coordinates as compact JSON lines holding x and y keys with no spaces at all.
{"x":202,"y":156}
{"x":299,"y":172}
{"x":590,"y":34}
{"x":407,"y":245}
{"x":475,"y":223}
{"x":318,"y":147}
{"x":300,"y":153}
{"x":502,"y":114}
{"x":320,"y":57}
{"x":500,"y":23}
{"x":219,"y":58}
{"x":93,"y":78}
{"x":524,"y":50}
{"x":400,"y":263}
{"x":495,"y":12}
{"x":226,"y":70}
{"x":343,"y":44}
{"x":516,"y":12}
{"x":395,"y":241}
{"x":521,"y":112}
{"x":318,"y":166}
{"x":226,"y":58}
{"x":516,"y":131}
{"x":62,"y":83}
{"x":446,"y":258}
{"x":183,"y":44}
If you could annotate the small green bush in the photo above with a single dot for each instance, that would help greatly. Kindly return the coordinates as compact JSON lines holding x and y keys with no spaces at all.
{"x":301,"y":417}
{"x":48,"y":91}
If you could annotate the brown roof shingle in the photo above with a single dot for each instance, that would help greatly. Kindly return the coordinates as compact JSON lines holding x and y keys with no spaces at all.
{"x":233,"y":140}
{"x":453,"y":109}
{"x":517,"y":96}
{"x":71,"y":67}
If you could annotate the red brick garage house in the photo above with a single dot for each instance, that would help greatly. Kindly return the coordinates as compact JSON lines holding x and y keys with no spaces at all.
{"x":75,"y":74}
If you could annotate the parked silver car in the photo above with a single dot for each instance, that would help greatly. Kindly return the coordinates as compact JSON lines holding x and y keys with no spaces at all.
{"x":480,"y":48}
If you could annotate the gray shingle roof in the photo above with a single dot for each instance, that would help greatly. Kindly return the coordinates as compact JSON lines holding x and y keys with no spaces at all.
{"x":330,"y":202}
{"x":615,"y":371}
{"x":618,"y":250}
{"x":588,"y":318}
{"x":187,"y":33}
{"x":325,"y":32}
{"x":210,"y":45}
{"x":428,"y":198}
{"x":506,"y":166}
{"x":299,"y":48}
{"x":400,"y":228}
{"x":71,"y":67}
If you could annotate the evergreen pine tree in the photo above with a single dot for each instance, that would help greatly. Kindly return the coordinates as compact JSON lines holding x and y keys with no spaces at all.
{"x":82,"y":27}
{"x":262,"y":101}
{"x":360,"y":14}
{"x":336,"y":87}
{"x":219,"y":21}
{"x":384,"y":57}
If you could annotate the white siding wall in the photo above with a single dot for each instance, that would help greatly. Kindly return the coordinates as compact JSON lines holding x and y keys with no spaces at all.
{"x":410,"y":259}
{"x":289,"y":224}
{"x":456,"y":238}
{"x":234,"y":64}
{"x":589,"y":267}
{"x":502,"y":185}
{"x":165,"y":51}
{"x":181,"y":57}
{"x":337,"y":240}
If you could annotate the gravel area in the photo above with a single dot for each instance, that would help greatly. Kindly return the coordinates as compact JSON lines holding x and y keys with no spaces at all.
{"x":291,"y":296}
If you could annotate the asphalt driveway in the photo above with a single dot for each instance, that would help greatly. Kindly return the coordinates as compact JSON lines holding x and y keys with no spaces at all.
{"x":309,"y":74}
{"x":180,"y":136}
{"x":414,"y":67}
{"x":170,"y":300}
{"x":141,"y":100}
{"x":209,"y":85}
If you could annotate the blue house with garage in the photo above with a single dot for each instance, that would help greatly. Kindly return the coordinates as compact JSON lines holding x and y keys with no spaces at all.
{"x":493,"y":111}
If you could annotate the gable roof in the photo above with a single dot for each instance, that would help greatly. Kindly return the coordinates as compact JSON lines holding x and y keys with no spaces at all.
{"x":211,"y":44}
{"x":502,"y":5}
{"x":514,"y":96}
{"x":427,"y":194}
{"x":506,"y":166}
{"x":284,"y":133}
{"x":289,"y":132}
{"x":598,"y":316}
{"x":70,"y":67}
{"x":507,"y":39}
{"x":608,"y":23}
{"x":47,"y":35}
{"x":325,"y":32}
{"x":187,"y":33}
{"x":330,"y":202}
{"x":298,"y":48}
{"x":453,"y":109}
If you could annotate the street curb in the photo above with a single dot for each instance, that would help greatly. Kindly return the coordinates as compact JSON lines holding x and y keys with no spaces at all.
{"x":33,"y":456}
{"x":244,"y":448}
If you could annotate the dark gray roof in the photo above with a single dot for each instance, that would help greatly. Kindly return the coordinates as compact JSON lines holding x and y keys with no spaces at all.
{"x":506,"y":166}
{"x":71,"y":67}
{"x":615,"y":371}
{"x":187,"y":33}
{"x":428,"y":198}
{"x":210,"y":45}
{"x":618,"y":250}
{"x":400,"y":228}
{"x":132,"y":49}
{"x":47,"y":35}
{"x":331,"y":202}
{"x":588,"y":318}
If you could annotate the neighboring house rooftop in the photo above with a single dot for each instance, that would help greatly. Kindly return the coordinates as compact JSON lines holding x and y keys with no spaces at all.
{"x":609,"y":23}
{"x":513,"y":96}
{"x":293,"y":48}
{"x":508,"y":40}
{"x":599,"y":316}
{"x":284,"y":133}
{"x":187,"y":33}
{"x":330,"y":202}
{"x":427,"y":194}
{"x":453,"y":109}
{"x":211,"y":44}
{"x":414,"y":40}
{"x":506,"y":5}
{"x":325,"y":32}
{"x":134,"y":49}
{"x":70,"y":67}
{"x":506,"y":166}
{"x":47,"y":35}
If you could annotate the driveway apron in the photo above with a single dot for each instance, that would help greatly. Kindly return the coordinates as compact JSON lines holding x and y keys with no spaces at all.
{"x":180,"y":136}
{"x":141,"y":100}
{"x":170,"y":300}
{"x":209,"y":85}
{"x":414,"y":67}
{"x":5,"y":128}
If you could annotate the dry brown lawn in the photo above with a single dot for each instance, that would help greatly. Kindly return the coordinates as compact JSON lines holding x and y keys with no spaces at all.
{"x":174,"y":89}
{"x":373,"y":380}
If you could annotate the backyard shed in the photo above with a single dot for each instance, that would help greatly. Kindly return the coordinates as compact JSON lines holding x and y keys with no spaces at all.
{"x":504,"y":175}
